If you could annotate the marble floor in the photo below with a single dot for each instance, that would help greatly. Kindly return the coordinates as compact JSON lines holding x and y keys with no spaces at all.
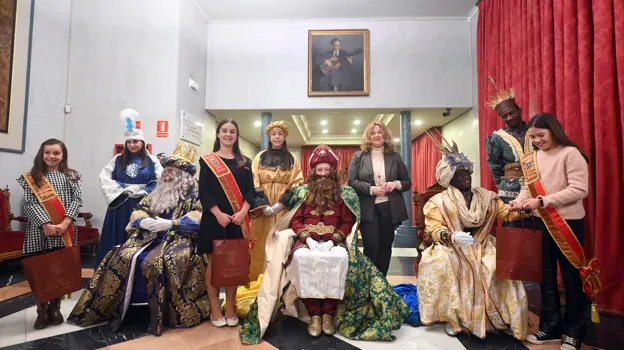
{"x":18,"y":312}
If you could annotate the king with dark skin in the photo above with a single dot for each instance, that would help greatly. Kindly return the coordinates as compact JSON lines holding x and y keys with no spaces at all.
{"x":462,"y":180}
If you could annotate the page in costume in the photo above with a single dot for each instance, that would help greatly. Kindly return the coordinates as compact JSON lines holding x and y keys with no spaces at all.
{"x":273,"y":184}
{"x":114,"y":181}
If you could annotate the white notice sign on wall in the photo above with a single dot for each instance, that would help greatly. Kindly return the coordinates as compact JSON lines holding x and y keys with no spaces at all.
{"x":191,"y":128}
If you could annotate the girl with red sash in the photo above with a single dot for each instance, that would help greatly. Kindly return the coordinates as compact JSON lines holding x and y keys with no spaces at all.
{"x":226,"y":191}
{"x":556,"y":182}
{"x":52,"y":199}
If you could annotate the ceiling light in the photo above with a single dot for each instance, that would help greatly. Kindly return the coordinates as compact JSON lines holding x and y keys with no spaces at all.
{"x":256,"y":124}
{"x":396,"y":139}
{"x":323,"y":122}
{"x":198,"y":123}
{"x":418,"y":122}
{"x":324,"y":131}
{"x":357,"y":122}
{"x":353,"y":131}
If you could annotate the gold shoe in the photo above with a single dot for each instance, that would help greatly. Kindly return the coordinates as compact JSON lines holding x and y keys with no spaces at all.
{"x":315,"y":329}
{"x":328,"y":325}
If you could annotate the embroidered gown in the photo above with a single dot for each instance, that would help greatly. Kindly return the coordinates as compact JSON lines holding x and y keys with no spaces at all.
{"x":113,"y":181}
{"x":272,"y":185}
{"x":457,"y":284}
{"x":69,"y":193}
{"x":157,"y":268}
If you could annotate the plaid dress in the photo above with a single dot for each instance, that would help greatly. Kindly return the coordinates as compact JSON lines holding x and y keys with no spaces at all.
{"x":70,"y":194}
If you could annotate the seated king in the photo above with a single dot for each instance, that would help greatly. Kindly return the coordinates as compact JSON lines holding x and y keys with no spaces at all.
{"x":157,"y":265}
{"x":320,"y":261}
{"x":314,"y":268}
{"x":457,"y":281}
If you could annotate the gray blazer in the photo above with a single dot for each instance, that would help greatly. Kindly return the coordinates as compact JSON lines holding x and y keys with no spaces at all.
{"x":362,"y":178}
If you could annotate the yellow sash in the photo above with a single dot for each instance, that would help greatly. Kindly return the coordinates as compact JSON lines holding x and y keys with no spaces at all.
{"x":563,"y":235}
{"x":52,"y":204}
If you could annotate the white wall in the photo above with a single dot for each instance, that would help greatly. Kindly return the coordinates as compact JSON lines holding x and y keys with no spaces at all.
{"x":123,"y":54}
{"x":48,"y":79}
{"x":465,"y":129}
{"x":413,"y":63}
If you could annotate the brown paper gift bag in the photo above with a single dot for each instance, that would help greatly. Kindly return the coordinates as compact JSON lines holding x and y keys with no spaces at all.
{"x":55,"y":274}
{"x":519,"y":253}
{"x":230,"y":262}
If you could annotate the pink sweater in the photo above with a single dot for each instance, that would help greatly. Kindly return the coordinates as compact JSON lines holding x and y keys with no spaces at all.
{"x":564,"y":173}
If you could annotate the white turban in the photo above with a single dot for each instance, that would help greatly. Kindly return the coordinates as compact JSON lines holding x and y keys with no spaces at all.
{"x":448,"y":165}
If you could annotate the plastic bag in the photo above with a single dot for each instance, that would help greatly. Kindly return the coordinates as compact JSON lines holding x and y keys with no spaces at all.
{"x":245,"y":297}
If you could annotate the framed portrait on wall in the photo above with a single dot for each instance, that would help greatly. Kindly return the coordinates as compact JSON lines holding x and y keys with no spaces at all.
{"x":338,"y":62}
{"x":15,"y":46}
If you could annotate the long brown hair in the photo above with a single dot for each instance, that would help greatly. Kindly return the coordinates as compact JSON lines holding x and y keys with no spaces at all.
{"x":550,"y":122}
{"x":319,"y":196}
{"x":367,"y":144}
{"x":126,"y":155}
{"x":284,"y":156}
{"x":39,"y":166}
{"x":240,"y":159}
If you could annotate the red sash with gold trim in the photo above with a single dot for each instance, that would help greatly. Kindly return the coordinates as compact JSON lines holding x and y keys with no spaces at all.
{"x":562,"y":234}
{"x":230,"y":187}
{"x":51,"y":203}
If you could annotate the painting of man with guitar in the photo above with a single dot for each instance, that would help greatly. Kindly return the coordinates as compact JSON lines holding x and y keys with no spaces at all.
{"x":339,"y":69}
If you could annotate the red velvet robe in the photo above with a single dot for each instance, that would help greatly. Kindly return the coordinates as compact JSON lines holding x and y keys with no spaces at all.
{"x":334,"y":224}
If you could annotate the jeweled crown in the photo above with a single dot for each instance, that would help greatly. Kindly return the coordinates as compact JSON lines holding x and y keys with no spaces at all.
{"x":185,"y":151}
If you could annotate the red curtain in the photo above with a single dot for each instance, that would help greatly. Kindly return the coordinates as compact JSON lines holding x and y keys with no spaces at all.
{"x":566,"y":57}
{"x":425,"y":157}
{"x":344,"y":154}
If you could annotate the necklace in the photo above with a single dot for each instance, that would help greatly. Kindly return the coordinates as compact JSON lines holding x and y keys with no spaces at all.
{"x":379,"y":169}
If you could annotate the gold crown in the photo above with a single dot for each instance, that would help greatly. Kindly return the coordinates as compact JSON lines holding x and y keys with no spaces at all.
{"x":185,"y":151}
{"x":278,"y":124}
{"x":500,"y":96}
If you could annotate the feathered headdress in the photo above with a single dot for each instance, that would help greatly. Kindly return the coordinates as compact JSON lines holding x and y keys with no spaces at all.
{"x":500,"y":96}
{"x":129,"y":115}
{"x":452,"y":160}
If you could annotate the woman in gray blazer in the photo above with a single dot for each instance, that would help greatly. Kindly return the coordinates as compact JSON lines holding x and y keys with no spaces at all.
{"x":379,"y":176}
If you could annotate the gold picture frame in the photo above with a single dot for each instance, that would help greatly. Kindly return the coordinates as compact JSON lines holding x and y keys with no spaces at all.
{"x":338,"y":62}
{"x":16,"y":18}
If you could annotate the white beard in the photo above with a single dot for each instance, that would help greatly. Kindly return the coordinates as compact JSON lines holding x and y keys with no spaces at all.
{"x":169,"y":192}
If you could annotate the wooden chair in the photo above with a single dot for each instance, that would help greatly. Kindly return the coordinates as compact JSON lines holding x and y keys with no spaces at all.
{"x":11,"y":242}
{"x":420,"y":199}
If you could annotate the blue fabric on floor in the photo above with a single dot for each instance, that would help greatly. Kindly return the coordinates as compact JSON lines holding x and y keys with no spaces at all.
{"x":410,"y":295}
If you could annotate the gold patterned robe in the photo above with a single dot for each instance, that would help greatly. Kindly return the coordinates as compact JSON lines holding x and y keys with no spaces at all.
{"x":174,"y":275}
{"x":457,"y":284}
{"x":273,"y":185}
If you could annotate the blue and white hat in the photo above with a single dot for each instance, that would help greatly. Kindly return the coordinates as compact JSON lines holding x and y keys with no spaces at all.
{"x":129,"y":116}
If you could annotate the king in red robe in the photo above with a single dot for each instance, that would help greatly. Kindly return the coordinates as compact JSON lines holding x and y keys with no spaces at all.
{"x":321,"y":224}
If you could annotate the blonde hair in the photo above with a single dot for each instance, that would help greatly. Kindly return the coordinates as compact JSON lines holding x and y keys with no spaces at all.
{"x":367,"y":144}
